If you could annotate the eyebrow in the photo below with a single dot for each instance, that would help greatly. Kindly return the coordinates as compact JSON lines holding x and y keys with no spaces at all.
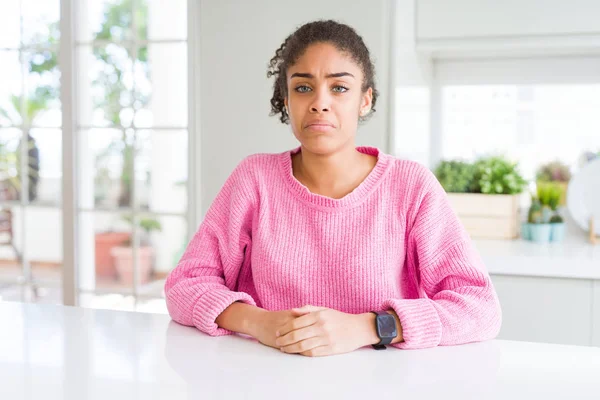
{"x":311,"y":76}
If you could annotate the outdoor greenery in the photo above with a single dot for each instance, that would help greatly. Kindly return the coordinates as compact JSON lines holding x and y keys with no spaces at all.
{"x":24,"y":111}
{"x":117,"y":98}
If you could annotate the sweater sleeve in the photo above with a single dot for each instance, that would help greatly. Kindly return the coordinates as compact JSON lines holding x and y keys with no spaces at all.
{"x":202,"y":284}
{"x":457,"y":302}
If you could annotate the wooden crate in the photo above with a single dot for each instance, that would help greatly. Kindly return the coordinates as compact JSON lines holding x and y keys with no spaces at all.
{"x":487,"y":216}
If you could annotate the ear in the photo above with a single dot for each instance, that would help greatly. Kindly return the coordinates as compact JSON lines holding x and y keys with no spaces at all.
{"x":366,"y":102}
{"x":285,"y":102}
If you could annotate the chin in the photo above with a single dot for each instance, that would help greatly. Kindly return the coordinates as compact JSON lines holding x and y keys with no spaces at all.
{"x":321,"y":145}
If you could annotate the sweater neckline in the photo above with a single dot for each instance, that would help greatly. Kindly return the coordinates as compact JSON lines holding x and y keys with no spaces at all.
{"x":357,"y":196}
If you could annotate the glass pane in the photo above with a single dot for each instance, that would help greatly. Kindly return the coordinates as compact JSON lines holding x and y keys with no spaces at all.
{"x":10,"y":177}
{"x":161,"y":19}
{"x":102,"y":235}
{"x":161,"y":85}
{"x":42,"y":103}
{"x":45,"y":252}
{"x":45,"y":163}
{"x":40,"y":21}
{"x":163,"y":240}
{"x":161,"y":171}
{"x":533,"y":124}
{"x":105,"y":86}
{"x":10,"y":27}
{"x":109,"y":20}
{"x":105,"y":168}
{"x":11,"y":87}
{"x":10,"y":252}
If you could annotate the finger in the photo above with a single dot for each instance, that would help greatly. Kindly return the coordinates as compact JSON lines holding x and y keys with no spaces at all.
{"x":298,"y":336}
{"x":298,"y":312}
{"x":305,"y":345}
{"x":319,"y":351}
{"x":308,"y":308}
{"x":296,"y":323}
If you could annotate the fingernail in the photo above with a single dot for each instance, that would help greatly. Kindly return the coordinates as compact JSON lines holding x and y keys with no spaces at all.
{"x":277,"y":334}
{"x":281,"y":348}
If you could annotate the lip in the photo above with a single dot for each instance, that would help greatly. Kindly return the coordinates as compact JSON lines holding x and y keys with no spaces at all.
{"x":319,"y":125}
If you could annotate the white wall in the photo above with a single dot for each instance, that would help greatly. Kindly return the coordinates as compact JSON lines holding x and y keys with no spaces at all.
{"x":237,"y":40}
{"x":485,"y":18}
{"x":412,"y":81}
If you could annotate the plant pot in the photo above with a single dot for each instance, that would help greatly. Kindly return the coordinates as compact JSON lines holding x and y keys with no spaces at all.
{"x":525,"y":232}
{"x":123,"y":257}
{"x":558,"y":232}
{"x":540,"y":233}
{"x":104,"y":243}
{"x":490,"y":216}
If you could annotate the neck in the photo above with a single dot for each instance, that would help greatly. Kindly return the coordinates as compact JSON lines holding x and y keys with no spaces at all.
{"x":333,"y":175}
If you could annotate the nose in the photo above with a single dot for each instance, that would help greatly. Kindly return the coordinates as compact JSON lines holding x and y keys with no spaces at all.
{"x":321,"y":102}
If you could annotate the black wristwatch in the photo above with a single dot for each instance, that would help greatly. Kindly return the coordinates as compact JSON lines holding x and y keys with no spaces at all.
{"x":385,"y":325}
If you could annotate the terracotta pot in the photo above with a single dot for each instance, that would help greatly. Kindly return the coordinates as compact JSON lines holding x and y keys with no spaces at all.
{"x":104,"y":242}
{"x":123,"y":257}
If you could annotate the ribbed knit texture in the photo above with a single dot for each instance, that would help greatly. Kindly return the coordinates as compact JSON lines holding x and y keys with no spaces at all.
{"x":392,"y":243}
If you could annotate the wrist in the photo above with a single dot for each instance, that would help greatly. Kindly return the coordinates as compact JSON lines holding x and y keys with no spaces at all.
{"x":368,"y":332}
{"x":253,"y":321}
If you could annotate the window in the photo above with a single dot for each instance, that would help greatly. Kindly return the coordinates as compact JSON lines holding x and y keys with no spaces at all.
{"x":30,"y":151}
{"x":132,"y":131}
{"x":532,"y":110}
{"x":130,"y":111}
{"x":533,"y":124}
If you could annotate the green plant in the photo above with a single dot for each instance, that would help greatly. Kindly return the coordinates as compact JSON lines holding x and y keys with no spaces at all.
{"x":497,"y":175}
{"x":455,"y":176}
{"x":148,"y":225}
{"x":554,"y":171}
{"x":24,"y":110}
{"x":116,"y":96}
{"x":549,"y":194}
{"x":9,"y":179}
{"x":556,"y":219}
{"x":535,"y":212}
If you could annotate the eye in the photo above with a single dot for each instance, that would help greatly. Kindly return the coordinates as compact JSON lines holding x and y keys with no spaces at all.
{"x":302,"y":89}
{"x":340,"y":89}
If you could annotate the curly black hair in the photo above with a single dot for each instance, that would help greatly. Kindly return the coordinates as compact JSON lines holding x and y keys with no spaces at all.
{"x":341,"y":36}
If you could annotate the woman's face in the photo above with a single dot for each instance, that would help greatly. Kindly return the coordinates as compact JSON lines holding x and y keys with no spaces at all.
{"x":325,"y":99}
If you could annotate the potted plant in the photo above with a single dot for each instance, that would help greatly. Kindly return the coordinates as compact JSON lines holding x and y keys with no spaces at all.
{"x":550,"y":194}
{"x":538,"y":228}
{"x":110,"y":81}
{"x":544,"y":223}
{"x":557,"y":172}
{"x":485,"y":195}
{"x":455,"y":176}
{"x":123,"y":254}
{"x":104,"y":242}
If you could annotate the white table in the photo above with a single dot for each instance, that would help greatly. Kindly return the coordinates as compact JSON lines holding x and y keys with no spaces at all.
{"x":55,"y":352}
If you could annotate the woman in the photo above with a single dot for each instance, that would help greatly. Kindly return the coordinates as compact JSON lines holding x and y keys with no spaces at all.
{"x":328,"y":247}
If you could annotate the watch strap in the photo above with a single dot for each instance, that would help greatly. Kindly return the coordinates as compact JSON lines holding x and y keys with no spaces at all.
{"x":382,"y":341}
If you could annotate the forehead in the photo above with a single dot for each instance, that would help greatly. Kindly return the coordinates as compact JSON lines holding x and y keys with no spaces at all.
{"x":324,"y":58}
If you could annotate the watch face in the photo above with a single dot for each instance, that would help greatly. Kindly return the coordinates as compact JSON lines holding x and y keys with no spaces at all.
{"x":387,"y":326}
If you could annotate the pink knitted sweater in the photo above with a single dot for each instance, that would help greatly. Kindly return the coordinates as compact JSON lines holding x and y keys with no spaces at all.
{"x":392,"y":243}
